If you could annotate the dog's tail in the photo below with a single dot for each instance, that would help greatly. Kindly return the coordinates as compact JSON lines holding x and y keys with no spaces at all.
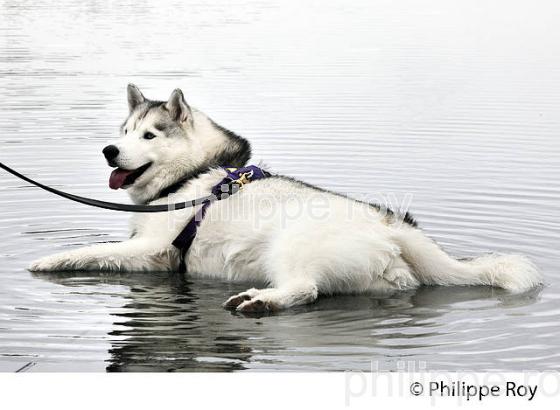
{"x":433,"y":266}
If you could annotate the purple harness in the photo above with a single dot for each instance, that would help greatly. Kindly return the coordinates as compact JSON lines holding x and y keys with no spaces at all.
{"x":233,"y":182}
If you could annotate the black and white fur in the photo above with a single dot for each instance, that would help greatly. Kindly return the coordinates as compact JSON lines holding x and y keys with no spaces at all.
{"x":269,"y":233}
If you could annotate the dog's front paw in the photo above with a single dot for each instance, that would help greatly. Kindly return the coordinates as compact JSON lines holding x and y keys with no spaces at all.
{"x":47,"y":264}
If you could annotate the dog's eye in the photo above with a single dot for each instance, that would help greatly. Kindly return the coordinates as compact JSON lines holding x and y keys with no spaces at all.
{"x":125,"y":131}
{"x":149,"y":136}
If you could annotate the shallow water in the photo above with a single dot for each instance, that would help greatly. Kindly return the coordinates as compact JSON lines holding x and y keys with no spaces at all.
{"x":454,"y":107}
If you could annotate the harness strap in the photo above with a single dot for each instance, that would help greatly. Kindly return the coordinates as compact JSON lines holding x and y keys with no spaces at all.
{"x":235,"y":179}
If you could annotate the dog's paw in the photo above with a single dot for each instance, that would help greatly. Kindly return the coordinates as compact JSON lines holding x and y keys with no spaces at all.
{"x":257,"y":305}
{"x":234,"y":301}
{"x":252,"y":301}
{"x":47,"y":264}
{"x":401,"y":278}
{"x":40,"y":265}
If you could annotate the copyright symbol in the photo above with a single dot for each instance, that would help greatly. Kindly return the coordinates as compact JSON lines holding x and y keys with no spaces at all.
{"x":416,"y":388}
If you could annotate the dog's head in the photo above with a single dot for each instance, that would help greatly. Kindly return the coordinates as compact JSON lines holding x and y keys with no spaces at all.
{"x":157,"y":144}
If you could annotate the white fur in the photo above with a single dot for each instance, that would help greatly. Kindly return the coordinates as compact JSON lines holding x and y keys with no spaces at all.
{"x":294,"y":241}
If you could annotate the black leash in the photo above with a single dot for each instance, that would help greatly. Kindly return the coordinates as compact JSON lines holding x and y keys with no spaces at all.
{"x":112,"y":205}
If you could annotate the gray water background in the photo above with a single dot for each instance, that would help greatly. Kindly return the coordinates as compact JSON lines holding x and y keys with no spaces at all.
{"x":454,"y":103}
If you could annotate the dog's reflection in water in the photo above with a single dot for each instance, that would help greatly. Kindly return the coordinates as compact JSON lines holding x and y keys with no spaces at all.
{"x":169,"y":323}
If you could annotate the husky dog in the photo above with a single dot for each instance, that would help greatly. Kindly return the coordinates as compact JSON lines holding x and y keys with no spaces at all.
{"x":294,"y":240}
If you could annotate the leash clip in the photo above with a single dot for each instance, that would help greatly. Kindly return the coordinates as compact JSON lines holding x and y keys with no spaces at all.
{"x":244,"y":179}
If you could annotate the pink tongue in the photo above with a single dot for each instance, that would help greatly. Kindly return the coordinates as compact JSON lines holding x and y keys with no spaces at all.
{"x":116,"y":180}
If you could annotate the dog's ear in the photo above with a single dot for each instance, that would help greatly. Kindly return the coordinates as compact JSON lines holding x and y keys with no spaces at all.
{"x":178,"y":109}
{"x":134,"y":96}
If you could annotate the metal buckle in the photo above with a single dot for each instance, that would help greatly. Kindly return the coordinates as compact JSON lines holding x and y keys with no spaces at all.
{"x":244,"y":179}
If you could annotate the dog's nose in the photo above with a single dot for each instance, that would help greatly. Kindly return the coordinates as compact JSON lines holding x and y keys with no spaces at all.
{"x":110,"y":152}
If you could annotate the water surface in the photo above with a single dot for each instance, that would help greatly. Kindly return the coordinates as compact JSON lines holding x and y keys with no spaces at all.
{"x":455,"y":106}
